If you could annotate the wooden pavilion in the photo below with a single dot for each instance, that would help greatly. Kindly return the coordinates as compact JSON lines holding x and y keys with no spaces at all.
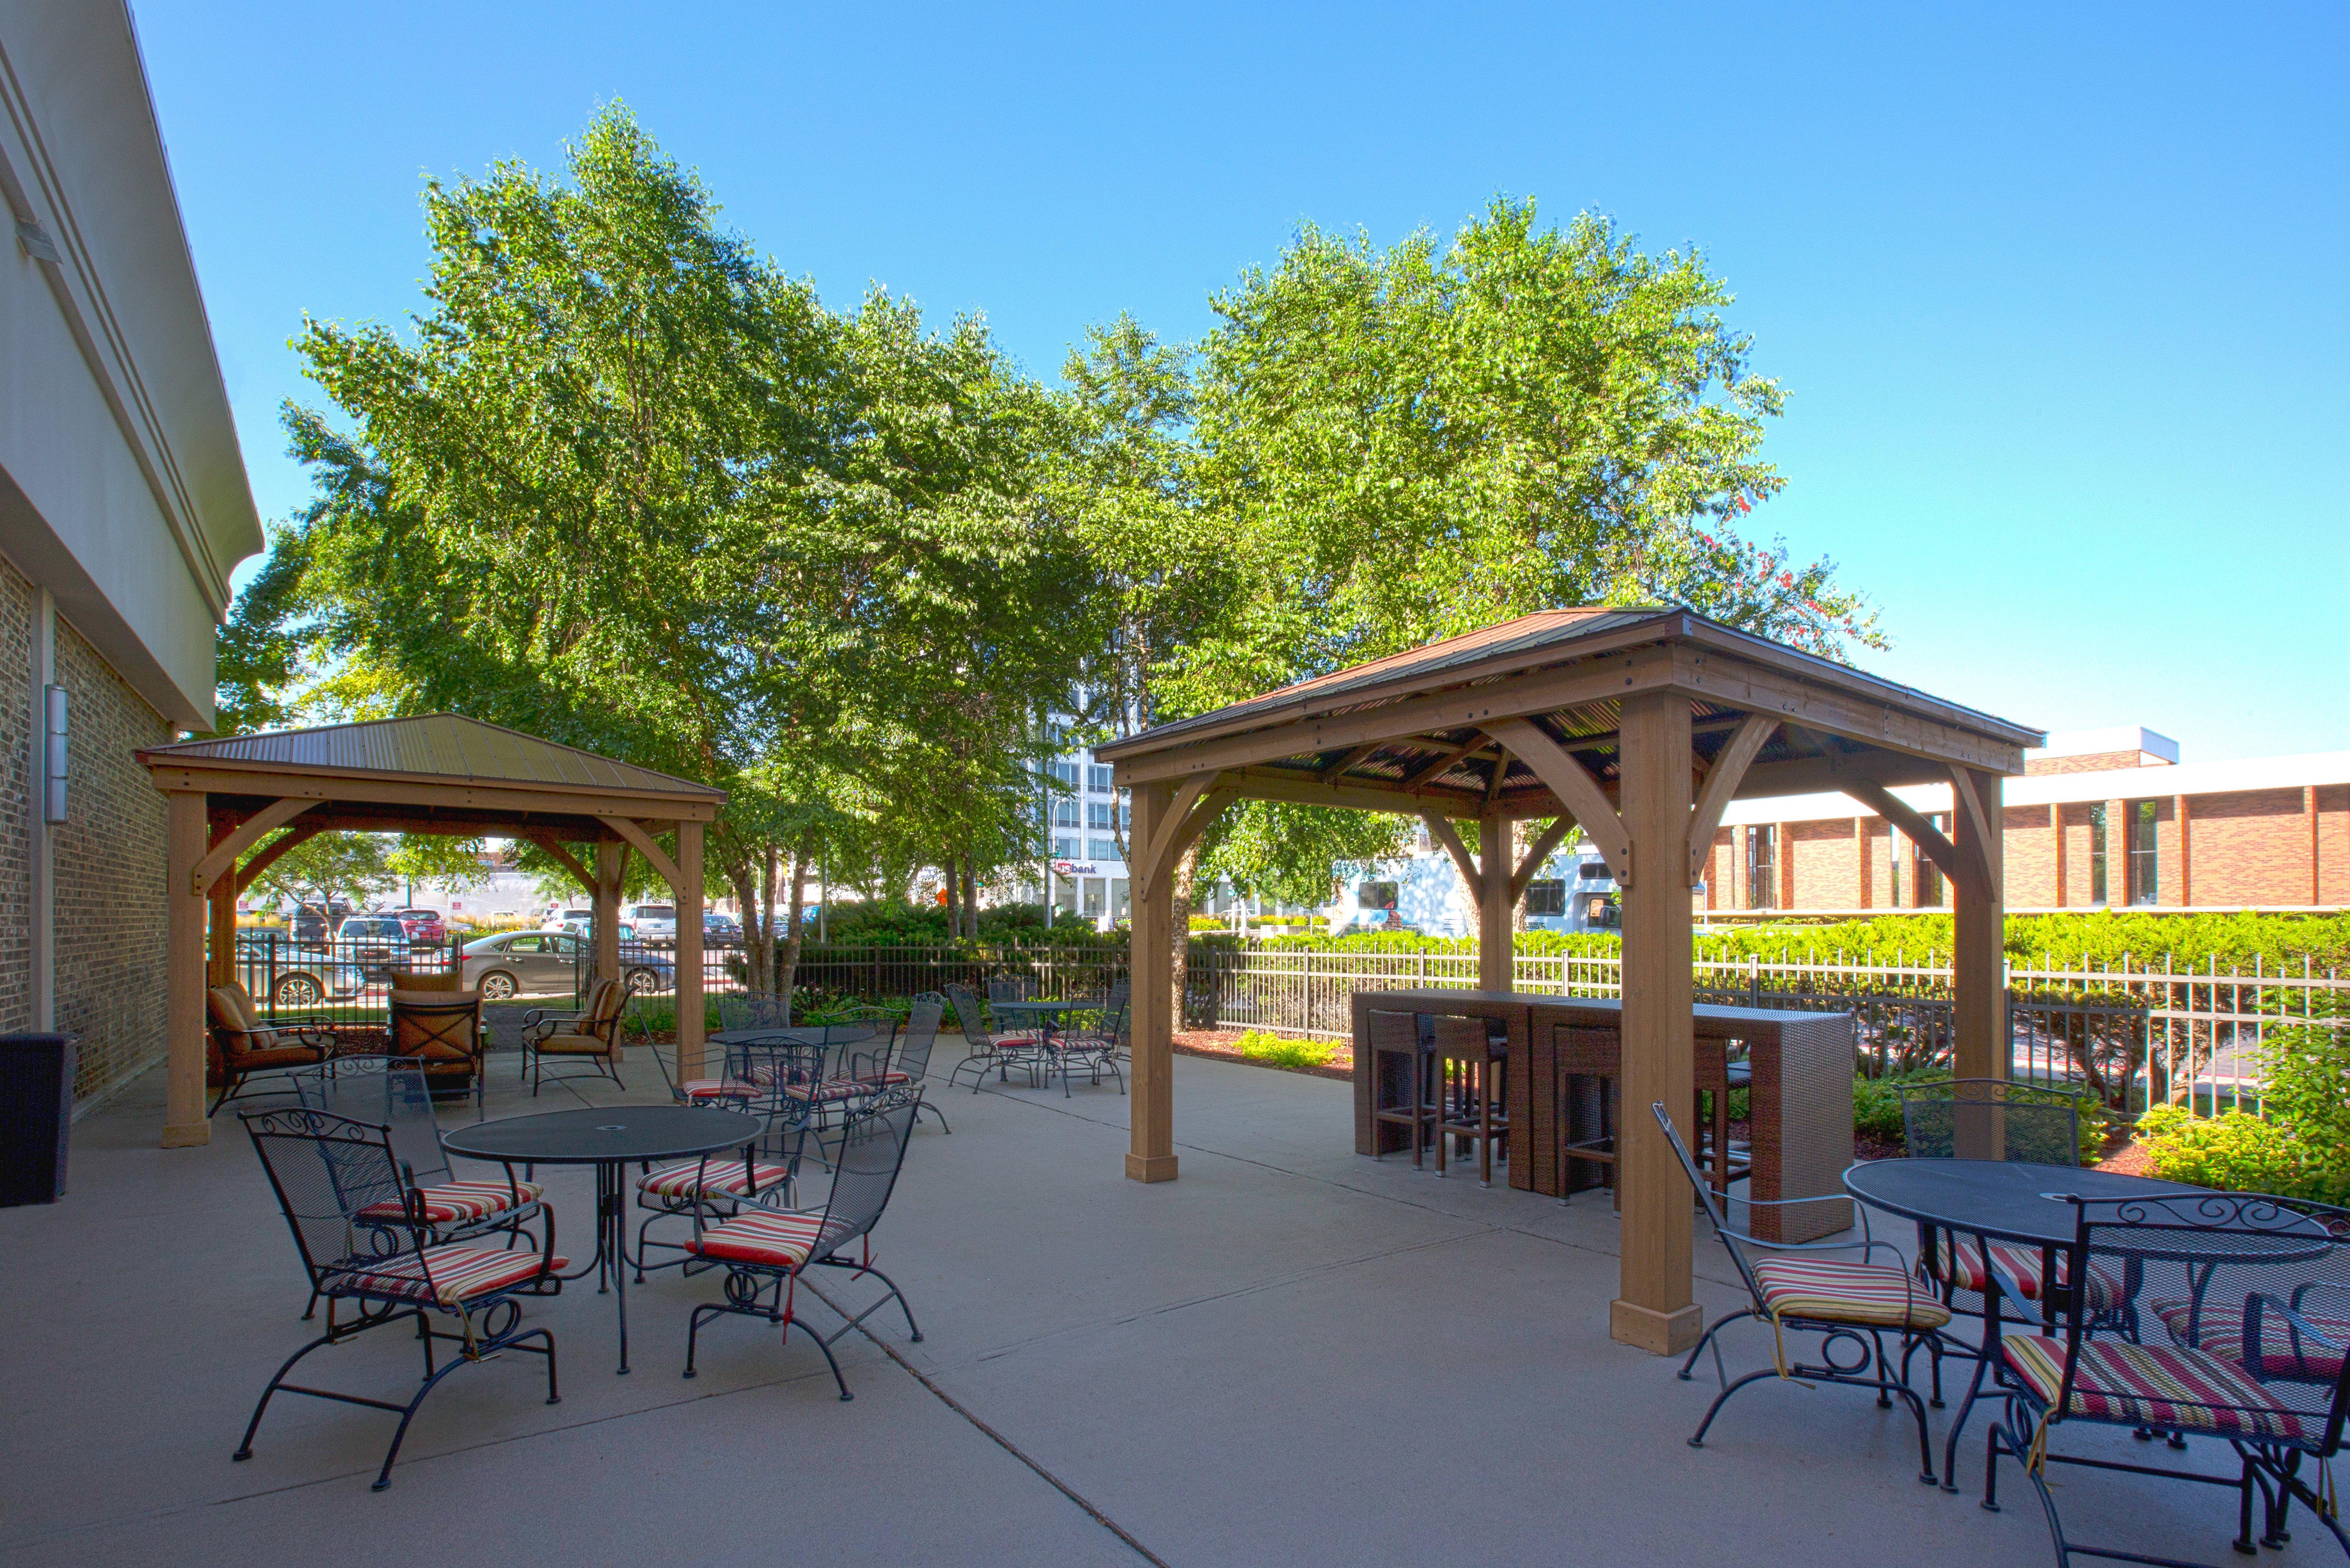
{"x":1636,"y":726}
{"x":439,"y":773}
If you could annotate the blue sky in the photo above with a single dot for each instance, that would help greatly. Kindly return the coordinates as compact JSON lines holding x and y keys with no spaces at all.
{"x":2059,"y":297}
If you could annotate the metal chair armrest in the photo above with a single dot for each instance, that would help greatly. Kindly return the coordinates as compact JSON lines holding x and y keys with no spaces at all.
{"x":2011,"y":1293}
{"x":2300,"y":1324}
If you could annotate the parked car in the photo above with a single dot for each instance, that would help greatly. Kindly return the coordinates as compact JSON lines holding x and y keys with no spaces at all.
{"x":513,"y":963}
{"x":655,"y":923}
{"x":581,"y":923}
{"x":721,"y":930}
{"x":312,"y":924}
{"x":290,"y":975}
{"x":424,"y":926}
{"x":377,"y":943}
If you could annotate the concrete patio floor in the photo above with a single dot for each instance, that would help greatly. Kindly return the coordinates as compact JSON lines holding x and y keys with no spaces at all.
{"x":1290,"y":1355}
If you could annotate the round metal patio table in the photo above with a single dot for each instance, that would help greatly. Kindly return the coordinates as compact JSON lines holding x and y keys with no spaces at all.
{"x":1994,"y":1200}
{"x":610,"y":1139}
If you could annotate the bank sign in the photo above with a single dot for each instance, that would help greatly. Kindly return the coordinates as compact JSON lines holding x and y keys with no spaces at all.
{"x":1071,"y":868}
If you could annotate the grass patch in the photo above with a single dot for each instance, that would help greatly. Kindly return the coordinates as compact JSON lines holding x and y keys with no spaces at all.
{"x":1280,"y":1051}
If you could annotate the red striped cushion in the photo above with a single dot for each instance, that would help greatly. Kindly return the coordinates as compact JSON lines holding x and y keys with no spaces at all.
{"x":758,"y":1236}
{"x":453,"y":1201}
{"x":1962,"y":1264}
{"x":2152,"y":1385}
{"x":1836,"y":1291}
{"x":724,"y":1178}
{"x":2285,"y":1351}
{"x":831,"y":1089}
{"x":719,"y":1089}
{"x":445,"y":1274}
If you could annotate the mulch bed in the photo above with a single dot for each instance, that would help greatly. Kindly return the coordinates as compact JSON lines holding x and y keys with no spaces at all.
{"x":1224,"y":1045}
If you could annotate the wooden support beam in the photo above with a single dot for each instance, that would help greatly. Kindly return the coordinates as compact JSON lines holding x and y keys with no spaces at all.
{"x":1337,"y":769}
{"x":1580,"y":794}
{"x":1279,"y":783}
{"x":1536,"y":853}
{"x":225,"y":855}
{"x":267,"y":855}
{"x":1444,"y":765}
{"x":1440,"y":828}
{"x":1969,"y":802}
{"x":1979,"y":956}
{"x":565,"y":858}
{"x":1654,"y":1308}
{"x":1921,"y":833}
{"x":691,"y":1024}
{"x":1500,"y":775}
{"x":1159,"y":856}
{"x":642,"y":842}
{"x":1151,"y":961}
{"x":605,"y":890}
{"x":1721,"y":782}
{"x":1497,"y":962}
{"x":183,"y":972}
{"x":220,"y":952}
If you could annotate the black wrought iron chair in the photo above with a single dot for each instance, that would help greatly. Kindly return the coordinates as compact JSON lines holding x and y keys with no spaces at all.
{"x":340,"y":1186}
{"x":395,"y":1093}
{"x":714,"y":1186}
{"x":767,"y":1251}
{"x":985,"y":1048}
{"x":909,"y":1064}
{"x":1846,"y":1301}
{"x":1094,"y":1046}
{"x":730,"y":1092}
{"x":2236,"y":1329}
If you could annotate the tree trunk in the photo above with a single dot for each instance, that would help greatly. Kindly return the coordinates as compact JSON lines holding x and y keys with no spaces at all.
{"x":1521,"y":839}
{"x":970,"y":896}
{"x":787,"y":957}
{"x":742,"y":877}
{"x":1187,"y":875}
{"x":948,"y":872}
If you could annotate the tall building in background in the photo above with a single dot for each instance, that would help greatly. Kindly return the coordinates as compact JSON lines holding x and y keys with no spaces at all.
{"x":123,"y":509}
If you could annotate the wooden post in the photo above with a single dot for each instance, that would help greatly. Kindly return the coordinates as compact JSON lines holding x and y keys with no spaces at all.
{"x":2056,"y":833}
{"x":1496,"y":946}
{"x":1860,"y":862}
{"x":185,"y":907}
{"x":1654,"y":1309}
{"x":2186,"y":855}
{"x":1150,"y":956}
{"x":689,"y":1021}
{"x":220,"y":962}
{"x":607,"y":895}
{"x":2309,"y":810}
{"x":1979,"y":958}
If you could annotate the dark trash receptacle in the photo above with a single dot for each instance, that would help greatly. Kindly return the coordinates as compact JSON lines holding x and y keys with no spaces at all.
{"x":37,"y":1082}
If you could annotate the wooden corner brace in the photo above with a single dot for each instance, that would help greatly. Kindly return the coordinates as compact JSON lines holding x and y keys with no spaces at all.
{"x":1576,"y":790}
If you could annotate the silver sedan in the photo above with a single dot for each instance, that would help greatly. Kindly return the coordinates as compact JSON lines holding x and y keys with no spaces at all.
{"x":551,"y":963}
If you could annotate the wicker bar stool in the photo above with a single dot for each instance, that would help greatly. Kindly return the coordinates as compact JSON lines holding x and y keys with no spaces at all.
{"x":1589,"y":1065}
{"x":1721,"y":1161}
{"x":1403,"y":1078}
{"x":1473,"y":1059}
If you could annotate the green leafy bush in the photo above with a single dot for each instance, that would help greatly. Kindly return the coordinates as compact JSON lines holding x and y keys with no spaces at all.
{"x":1280,"y":1051}
{"x":1876,"y":1111}
{"x":2299,"y":1146}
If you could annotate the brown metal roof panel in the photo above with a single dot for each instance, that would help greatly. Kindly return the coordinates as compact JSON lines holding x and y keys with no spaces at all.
{"x":435,"y":745}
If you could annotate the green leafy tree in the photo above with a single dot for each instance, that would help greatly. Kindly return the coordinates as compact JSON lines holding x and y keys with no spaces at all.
{"x":326,"y":866}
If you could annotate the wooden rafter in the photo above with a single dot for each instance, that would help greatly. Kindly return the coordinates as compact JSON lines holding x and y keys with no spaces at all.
{"x":1501,"y":774}
{"x":1337,"y":769}
{"x":661,"y":864}
{"x":1444,"y":765}
{"x":565,"y":858}
{"x":1576,"y":790}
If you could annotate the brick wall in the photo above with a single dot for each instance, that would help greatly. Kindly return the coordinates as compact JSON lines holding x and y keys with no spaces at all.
{"x":1820,"y":864}
{"x":18,"y":600}
{"x":2030,"y":851}
{"x":2332,"y":844}
{"x":2249,"y":848}
{"x":110,"y":860}
{"x":2091,"y":762}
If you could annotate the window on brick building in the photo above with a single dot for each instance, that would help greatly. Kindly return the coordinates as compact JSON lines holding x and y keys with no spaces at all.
{"x":1929,"y":876}
{"x":1762,"y":868}
{"x":2144,"y":868}
{"x":2097,"y":852}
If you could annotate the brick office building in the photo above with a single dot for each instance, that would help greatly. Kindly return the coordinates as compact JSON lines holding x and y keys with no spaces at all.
{"x":2101,"y":819}
{"x":123,"y":508}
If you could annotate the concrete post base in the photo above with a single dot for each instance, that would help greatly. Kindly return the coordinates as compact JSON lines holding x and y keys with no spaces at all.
{"x":1658,"y":1333}
{"x":186,"y":1135}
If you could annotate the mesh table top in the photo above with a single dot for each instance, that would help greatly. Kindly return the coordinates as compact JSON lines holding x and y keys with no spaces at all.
{"x":600,"y":1136}
{"x":2006,"y":1199}
{"x":797,"y":1034}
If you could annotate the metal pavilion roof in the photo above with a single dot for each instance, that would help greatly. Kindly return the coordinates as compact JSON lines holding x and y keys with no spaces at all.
{"x":442,"y":747}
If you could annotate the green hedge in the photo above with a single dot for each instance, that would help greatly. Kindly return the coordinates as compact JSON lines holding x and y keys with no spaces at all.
{"x":2299,"y":1146}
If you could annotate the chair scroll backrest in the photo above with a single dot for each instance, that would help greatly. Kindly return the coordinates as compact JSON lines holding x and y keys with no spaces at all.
{"x":976,"y":1033}
{"x":1987,"y":1119}
{"x":387,"y":1091}
{"x":2258,"y":1281}
{"x":1009,"y":988}
{"x":339,"y":1185}
{"x":921,"y":1032}
{"x":872,"y":1152}
{"x":1707,"y":1198}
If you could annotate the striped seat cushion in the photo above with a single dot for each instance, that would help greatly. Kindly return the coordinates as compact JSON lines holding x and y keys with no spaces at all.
{"x":759,"y":1236}
{"x":829,"y":1090}
{"x":718,"y":1178}
{"x":1835,"y":1291}
{"x":455,"y":1203}
{"x":719,"y":1089}
{"x":2153,"y":1385}
{"x":1962,"y":1264}
{"x":443,"y":1275}
{"x":2285,"y":1351}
